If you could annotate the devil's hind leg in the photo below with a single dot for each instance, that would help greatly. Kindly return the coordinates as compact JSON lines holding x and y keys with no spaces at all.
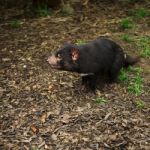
{"x":115,"y":69}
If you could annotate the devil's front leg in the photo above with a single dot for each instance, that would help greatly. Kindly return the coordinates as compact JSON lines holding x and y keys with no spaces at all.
{"x":90,"y":81}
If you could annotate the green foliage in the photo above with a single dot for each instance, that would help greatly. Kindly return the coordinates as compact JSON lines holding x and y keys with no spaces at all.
{"x":137,"y":70}
{"x":135,"y":85}
{"x":126,"y":38}
{"x":15,"y":24}
{"x":43,"y":11}
{"x":100,"y":100}
{"x":123,"y":76}
{"x":140,"y":104}
{"x":139,"y":13}
{"x":126,"y":23}
{"x":36,"y":148}
{"x":80,"y":42}
{"x":144,"y":43}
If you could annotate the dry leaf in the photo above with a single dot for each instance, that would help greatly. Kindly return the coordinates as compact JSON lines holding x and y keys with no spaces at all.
{"x":34,"y":129}
{"x":107,"y":116}
{"x":43,"y":118}
{"x":65,"y":118}
{"x":54,"y":137}
{"x":80,"y":109}
{"x":50,"y":87}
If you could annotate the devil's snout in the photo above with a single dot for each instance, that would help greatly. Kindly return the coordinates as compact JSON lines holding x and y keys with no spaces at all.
{"x":53,"y":61}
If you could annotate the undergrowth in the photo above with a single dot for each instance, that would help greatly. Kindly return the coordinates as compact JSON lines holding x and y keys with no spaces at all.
{"x":126,"y":38}
{"x":79,"y":42}
{"x":15,"y":23}
{"x":43,"y":11}
{"x":140,"y":104}
{"x":144,"y":45}
{"x":127,"y":23}
{"x":139,"y":13}
{"x":134,"y":83}
{"x":100,"y":100}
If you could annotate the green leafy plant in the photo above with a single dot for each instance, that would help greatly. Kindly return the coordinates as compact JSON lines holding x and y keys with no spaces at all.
{"x":137,"y":70}
{"x":123,"y":76}
{"x":35,"y":148}
{"x":126,"y":38}
{"x":135,"y":85}
{"x":139,"y":13}
{"x":43,"y":11}
{"x":126,"y":23}
{"x":140,"y":104}
{"x":144,"y":44}
{"x":80,"y":42}
{"x":100,"y":100}
{"x":15,"y":24}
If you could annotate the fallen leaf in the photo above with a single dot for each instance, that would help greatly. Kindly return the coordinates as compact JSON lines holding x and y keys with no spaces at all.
{"x":54,"y":137}
{"x":65,"y":118}
{"x":43,"y":118}
{"x":80,"y":109}
{"x":107,"y":116}
{"x":41,"y":145}
{"x":34,"y":129}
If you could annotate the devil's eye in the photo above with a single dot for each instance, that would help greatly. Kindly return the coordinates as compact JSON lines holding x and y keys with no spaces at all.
{"x":59,"y":56}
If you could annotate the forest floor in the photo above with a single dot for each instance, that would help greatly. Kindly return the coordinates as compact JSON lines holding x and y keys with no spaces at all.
{"x":41,"y":108}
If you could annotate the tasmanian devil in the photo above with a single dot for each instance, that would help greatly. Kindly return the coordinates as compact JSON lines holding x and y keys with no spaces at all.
{"x":99,"y":57}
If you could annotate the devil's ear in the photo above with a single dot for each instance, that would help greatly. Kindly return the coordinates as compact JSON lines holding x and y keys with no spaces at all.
{"x":75,"y":54}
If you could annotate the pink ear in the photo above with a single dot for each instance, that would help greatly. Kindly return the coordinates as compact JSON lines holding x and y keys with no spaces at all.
{"x":75,"y":54}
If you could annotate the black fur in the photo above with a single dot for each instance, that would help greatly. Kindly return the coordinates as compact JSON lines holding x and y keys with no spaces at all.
{"x":99,"y":57}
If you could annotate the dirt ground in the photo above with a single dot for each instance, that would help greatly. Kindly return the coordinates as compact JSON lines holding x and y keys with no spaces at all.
{"x":41,"y":108}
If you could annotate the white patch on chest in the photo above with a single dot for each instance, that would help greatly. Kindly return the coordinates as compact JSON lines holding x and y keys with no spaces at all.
{"x":125,"y":56}
{"x":86,"y":74}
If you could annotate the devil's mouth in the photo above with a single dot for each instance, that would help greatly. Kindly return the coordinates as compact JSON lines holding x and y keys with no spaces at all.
{"x":55,"y":66}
